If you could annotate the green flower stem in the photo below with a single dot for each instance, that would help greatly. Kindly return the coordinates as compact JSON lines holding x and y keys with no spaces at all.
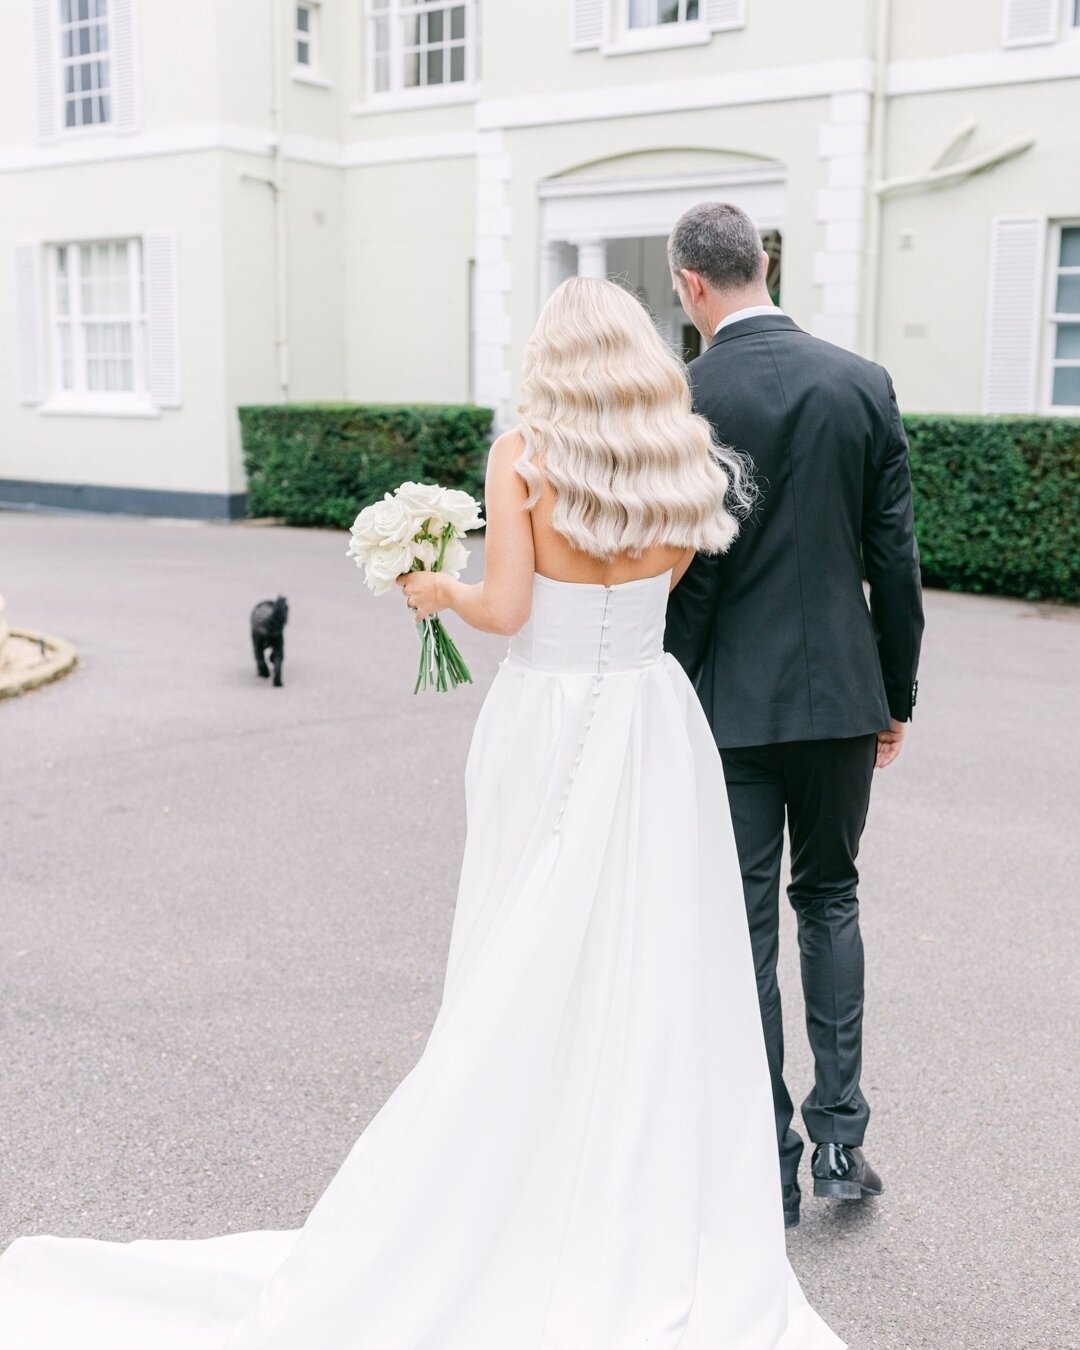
{"x":441,"y":664}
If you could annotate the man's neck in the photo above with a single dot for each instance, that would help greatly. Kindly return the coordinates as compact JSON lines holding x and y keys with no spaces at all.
{"x":732,"y":301}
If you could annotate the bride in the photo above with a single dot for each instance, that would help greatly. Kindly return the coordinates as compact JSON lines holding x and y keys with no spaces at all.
{"x":562,"y":1169}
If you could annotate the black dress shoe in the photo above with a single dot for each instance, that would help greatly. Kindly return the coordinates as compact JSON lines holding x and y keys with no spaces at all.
{"x":792,"y":1196}
{"x":841,"y":1172}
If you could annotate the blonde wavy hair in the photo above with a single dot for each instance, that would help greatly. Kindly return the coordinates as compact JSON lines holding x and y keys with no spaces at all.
{"x":607,"y":422}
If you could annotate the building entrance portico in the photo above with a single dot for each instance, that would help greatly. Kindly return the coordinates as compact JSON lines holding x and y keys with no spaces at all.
{"x":594,"y":225}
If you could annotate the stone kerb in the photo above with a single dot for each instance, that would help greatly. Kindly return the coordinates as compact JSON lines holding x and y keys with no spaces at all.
{"x":29,"y":659}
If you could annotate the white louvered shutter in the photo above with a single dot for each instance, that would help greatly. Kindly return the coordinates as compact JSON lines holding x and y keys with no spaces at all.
{"x":29,"y":339}
{"x":724,"y":14}
{"x":1025,"y":22}
{"x":586,"y":23}
{"x":162,"y":318}
{"x":123,"y":65}
{"x":1013,"y":314}
{"x":46,"y":71}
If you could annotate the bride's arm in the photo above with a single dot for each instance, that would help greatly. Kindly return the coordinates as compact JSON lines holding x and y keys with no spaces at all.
{"x":500,"y":603}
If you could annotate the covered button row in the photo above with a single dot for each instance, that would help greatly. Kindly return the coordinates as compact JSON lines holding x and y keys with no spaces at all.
{"x":594,"y":694}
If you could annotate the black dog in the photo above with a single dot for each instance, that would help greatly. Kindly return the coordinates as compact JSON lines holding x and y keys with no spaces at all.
{"x":268,"y":620}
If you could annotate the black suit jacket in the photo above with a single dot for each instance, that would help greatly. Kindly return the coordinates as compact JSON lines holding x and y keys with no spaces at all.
{"x":776,"y":634}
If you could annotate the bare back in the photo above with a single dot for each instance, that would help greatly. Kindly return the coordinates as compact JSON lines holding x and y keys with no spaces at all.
{"x":558,"y":559}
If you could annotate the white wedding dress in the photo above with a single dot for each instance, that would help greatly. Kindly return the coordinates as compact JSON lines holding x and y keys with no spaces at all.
{"x":584,"y":1156}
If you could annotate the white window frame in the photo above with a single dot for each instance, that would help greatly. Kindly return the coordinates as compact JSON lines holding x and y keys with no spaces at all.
{"x":1053,"y":319}
{"x":310,"y":72}
{"x":80,"y":398}
{"x":623,"y":40}
{"x":63,"y":63}
{"x":400,"y":95}
{"x":654,"y":5}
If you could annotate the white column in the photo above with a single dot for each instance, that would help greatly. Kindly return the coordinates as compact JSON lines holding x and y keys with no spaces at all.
{"x":554,"y":266}
{"x":592,"y":258}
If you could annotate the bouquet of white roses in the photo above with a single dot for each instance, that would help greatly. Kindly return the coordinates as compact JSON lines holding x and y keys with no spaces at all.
{"x":419,"y":527}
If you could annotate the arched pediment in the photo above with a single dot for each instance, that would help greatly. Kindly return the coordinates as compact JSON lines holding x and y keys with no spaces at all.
{"x":673,"y":161}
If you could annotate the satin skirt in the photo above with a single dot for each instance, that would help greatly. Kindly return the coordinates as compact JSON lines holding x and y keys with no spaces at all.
{"x":584,"y":1157}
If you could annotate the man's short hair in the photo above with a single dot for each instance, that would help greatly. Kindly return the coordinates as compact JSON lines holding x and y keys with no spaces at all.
{"x":720,"y":242}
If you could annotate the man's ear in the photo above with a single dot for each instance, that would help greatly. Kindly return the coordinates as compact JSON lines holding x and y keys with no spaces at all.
{"x":695,"y":287}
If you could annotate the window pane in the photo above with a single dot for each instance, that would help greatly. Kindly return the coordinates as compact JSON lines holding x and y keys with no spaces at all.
{"x":382,"y":35}
{"x":84,"y":75}
{"x":98,"y":8}
{"x":435,"y":67}
{"x":457,"y":21}
{"x":303,"y":52}
{"x":691,"y":10}
{"x":69,"y":115}
{"x":303,"y":18}
{"x":1068,"y":295}
{"x":412,"y":70}
{"x":1070,"y":241}
{"x":435,"y":26}
{"x":69,"y":79}
{"x":641,"y":13}
{"x":1067,"y":346}
{"x":82,"y":41}
{"x":1066,"y":387}
{"x":87,"y":111}
{"x":65,"y":11}
{"x":103,"y":108}
{"x":669,"y":11}
{"x":382,"y":73}
{"x":84,"y":9}
{"x":457,"y":64}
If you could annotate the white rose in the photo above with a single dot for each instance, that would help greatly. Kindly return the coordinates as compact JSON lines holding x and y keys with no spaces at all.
{"x":363,"y":527}
{"x":359,"y":550}
{"x":392,"y":522}
{"x":420,"y":500}
{"x":426,"y":551}
{"x":384,"y":565}
{"x":455,"y":558}
{"x":460,"y":510}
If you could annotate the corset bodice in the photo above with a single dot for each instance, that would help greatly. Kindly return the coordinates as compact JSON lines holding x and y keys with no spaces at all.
{"x":579,"y":628}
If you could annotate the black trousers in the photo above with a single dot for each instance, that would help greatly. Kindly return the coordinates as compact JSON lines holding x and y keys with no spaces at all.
{"x":823,"y":788}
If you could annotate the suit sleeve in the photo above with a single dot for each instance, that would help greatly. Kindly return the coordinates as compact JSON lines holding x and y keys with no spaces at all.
{"x":891,"y":562}
{"x":691,"y":612}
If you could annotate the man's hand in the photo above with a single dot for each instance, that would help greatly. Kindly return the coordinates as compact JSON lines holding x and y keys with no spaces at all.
{"x":890,"y":743}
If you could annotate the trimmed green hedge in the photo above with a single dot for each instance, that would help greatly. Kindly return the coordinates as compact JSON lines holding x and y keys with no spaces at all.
{"x":997,"y":503}
{"x":320,"y":463}
{"x":997,"y":499}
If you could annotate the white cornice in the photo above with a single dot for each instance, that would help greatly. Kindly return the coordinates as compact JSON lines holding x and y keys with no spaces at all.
{"x":771,"y":85}
{"x":175,"y":140}
{"x":974,"y":70}
{"x":401,"y":149}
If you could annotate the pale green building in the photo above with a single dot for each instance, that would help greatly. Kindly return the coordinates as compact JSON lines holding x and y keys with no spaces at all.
{"x":223,"y":203}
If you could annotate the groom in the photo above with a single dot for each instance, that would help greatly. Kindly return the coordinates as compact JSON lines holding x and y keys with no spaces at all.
{"x":806,"y":689}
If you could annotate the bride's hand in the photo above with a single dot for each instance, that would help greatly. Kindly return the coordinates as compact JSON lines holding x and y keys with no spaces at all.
{"x":425,"y":593}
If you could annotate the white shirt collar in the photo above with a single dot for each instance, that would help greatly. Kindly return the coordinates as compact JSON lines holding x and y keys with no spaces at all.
{"x":751,"y":313}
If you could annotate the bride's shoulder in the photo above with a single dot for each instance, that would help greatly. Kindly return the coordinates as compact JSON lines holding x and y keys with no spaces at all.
{"x":507,"y":447}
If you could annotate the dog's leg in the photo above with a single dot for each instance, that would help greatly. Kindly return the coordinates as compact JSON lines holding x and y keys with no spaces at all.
{"x":260,"y":657}
{"x":277,"y":655}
